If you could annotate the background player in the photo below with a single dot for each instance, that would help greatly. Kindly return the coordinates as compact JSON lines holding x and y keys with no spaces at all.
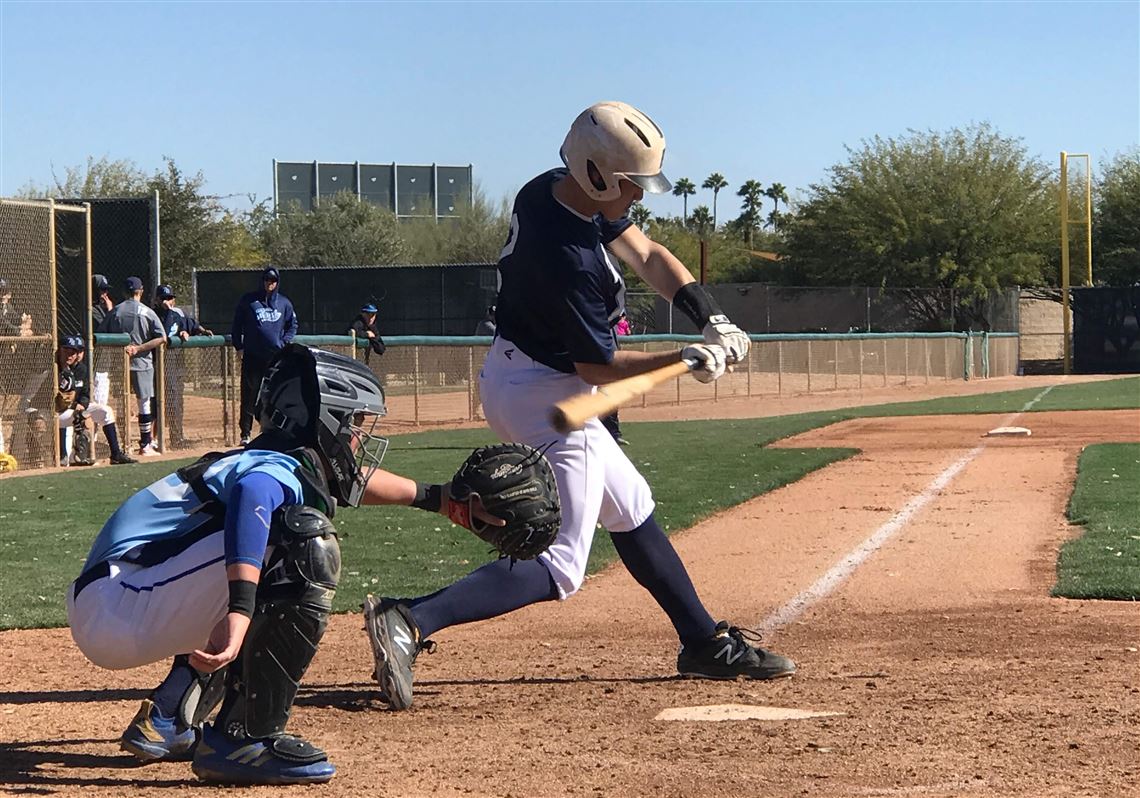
{"x":70,"y":401}
{"x":559,"y":295}
{"x":233,"y":561}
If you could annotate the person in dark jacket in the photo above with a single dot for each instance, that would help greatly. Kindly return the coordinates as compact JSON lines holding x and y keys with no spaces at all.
{"x":101,"y":302}
{"x":364,"y":326}
{"x":264,"y":322}
{"x":178,"y":326}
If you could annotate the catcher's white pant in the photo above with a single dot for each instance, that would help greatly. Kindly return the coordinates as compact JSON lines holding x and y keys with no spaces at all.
{"x":596,"y":481}
{"x":102,"y":415}
{"x":138,"y":615}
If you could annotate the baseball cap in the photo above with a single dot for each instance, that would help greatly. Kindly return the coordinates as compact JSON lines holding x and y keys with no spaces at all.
{"x":164,"y":292}
{"x":99,"y":283}
{"x":134,"y":284}
{"x":369,"y":308}
{"x":270,"y":274}
{"x":72,"y":342}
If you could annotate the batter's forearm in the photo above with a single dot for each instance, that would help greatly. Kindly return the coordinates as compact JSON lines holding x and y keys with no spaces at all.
{"x":626,"y":363}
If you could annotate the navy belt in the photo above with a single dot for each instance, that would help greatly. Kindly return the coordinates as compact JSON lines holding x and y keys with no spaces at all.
{"x":97,"y":571}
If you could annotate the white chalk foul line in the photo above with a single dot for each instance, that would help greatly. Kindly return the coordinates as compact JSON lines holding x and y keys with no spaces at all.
{"x":838,"y":573}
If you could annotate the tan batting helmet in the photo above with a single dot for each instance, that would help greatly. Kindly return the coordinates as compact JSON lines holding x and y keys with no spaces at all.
{"x":610,"y":141}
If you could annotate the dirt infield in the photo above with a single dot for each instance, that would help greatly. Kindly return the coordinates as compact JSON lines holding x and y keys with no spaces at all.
{"x":954,"y":671}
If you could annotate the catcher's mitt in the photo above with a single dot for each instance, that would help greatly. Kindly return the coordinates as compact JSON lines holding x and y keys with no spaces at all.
{"x":515,"y":483}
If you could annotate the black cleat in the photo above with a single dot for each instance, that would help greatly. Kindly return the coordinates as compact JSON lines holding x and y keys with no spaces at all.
{"x":122,"y":458}
{"x":728,"y":655}
{"x":396,"y":643}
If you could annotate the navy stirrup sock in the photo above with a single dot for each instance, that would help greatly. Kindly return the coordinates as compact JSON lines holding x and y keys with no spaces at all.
{"x":651,"y":559}
{"x":168,"y":695}
{"x":495,"y":589}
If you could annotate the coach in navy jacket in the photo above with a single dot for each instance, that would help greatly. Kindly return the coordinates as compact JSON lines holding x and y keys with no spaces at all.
{"x":264,"y":322}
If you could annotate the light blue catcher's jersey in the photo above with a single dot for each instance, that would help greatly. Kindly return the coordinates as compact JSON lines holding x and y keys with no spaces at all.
{"x":169,"y":509}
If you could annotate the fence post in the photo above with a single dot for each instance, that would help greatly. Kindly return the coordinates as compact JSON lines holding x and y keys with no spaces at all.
{"x":416,"y":383}
{"x":861,"y":342}
{"x":779,"y":368}
{"x":967,"y":356}
{"x":471,"y":383}
{"x":836,"y":364}
{"x":127,"y":394}
{"x":926,"y":358}
{"x":225,"y":375}
{"x":884,"y":362}
{"x":809,"y":365}
{"x":749,"y":377}
{"x":985,"y":355}
{"x":160,"y":408}
{"x":946,"y":358}
{"x":906,"y":360}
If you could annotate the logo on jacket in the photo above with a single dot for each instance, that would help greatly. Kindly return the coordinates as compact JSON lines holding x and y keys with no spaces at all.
{"x":267,"y":315}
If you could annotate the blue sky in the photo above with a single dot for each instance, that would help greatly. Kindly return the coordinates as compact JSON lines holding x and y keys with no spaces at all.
{"x":765,"y":91}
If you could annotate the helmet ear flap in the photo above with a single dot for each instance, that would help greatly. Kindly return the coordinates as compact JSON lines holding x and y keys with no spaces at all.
{"x":595,"y":175}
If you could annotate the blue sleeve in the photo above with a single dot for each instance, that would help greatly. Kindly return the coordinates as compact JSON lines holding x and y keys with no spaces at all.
{"x":248,"y":512}
{"x":238,"y":325}
{"x":611,"y":230}
{"x":583,"y":323}
{"x":290,"y":322}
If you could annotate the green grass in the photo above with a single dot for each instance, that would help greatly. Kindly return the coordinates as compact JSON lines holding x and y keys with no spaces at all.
{"x":1104,"y":562}
{"x":696,"y":468}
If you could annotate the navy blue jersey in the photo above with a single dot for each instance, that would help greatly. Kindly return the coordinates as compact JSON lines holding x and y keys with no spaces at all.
{"x":560,"y":293}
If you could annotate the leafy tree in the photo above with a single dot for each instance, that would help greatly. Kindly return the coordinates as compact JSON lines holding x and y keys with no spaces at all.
{"x":97,"y":178}
{"x":714,"y":183}
{"x":684,"y":189}
{"x":967,"y":210}
{"x":1116,"y":222}
{"x":343,"y":232}
{"x":777,"y":193}
{"x":751,"y":202}
{"x":476,"y":236}
{"x":640,"y":215}
{"x":701,"y":221}
{"x":197,"y":231}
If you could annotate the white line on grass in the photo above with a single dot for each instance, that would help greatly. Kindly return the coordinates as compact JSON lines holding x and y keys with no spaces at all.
{"x":838,"y":573}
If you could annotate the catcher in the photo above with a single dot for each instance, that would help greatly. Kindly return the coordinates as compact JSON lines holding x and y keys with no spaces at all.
{"x":72,"y":406}
{"x":230,"y":565}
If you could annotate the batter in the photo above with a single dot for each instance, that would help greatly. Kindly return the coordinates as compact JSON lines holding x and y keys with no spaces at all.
{"x":560,"y":295}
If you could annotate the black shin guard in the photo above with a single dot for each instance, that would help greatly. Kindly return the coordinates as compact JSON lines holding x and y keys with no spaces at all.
{"x":293,"y":605}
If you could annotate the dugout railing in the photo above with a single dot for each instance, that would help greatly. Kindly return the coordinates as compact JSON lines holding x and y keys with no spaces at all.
{"x":434,"y":380}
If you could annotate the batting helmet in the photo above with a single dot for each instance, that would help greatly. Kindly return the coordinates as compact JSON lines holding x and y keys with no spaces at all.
{"x":331,"y":403}
{"x":610,"y":141}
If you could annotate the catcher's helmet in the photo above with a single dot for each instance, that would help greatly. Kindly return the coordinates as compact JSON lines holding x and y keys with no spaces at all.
{"x":331,"y":403}
{"x":610,"y":141}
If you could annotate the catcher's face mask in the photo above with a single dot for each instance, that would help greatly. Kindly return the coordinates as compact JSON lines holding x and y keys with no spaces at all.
{"x":355,"y":454}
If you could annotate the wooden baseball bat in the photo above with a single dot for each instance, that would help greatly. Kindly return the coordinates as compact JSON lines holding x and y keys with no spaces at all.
{"x":573,"y":413}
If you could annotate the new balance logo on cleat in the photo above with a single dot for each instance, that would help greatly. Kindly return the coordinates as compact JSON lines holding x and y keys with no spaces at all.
{"x":401,"y":638}
{"x":729,"y":656}
{"x":726,"y":654}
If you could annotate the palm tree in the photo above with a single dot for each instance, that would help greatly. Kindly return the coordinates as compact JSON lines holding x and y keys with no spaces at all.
{"x":684,"y":189}
{"x":640,"y":215}
{"x":714,"y":182}
{"x":702,"y":221}
{"x":777,"y":193}
{"x":751,"y":193}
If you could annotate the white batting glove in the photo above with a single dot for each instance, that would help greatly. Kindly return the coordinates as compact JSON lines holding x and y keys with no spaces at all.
{"x":723,"y":333}
{"x":710,"y":361}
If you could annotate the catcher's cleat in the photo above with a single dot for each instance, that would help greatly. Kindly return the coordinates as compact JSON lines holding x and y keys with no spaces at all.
{"x":154,"y":738}
{"x":396,"y":643}
{"x":728,"y":655}
{"x":282,"y":759}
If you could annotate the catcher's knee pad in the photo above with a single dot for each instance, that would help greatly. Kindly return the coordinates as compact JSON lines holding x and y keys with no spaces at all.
{"x":293,"y":604}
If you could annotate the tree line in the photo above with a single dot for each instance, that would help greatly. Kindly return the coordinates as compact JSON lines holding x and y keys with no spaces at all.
{"x":966,"y":209}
